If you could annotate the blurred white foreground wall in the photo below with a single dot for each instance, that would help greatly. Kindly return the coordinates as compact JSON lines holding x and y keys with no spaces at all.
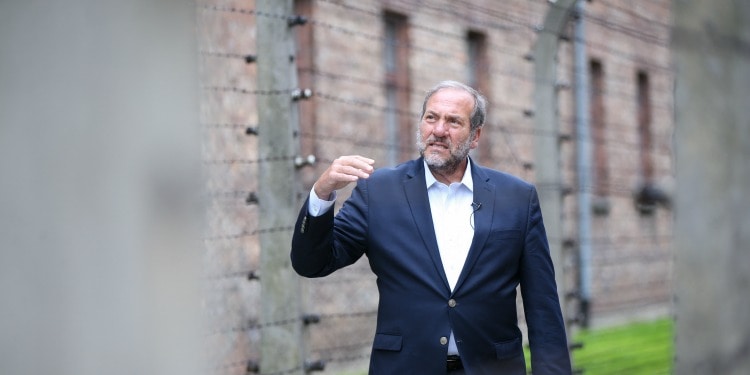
{"x":98,"y":147}
{"x":711,"y":47}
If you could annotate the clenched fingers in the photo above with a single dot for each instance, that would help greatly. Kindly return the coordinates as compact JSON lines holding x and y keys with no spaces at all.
{"x":343,"y":171}
{"x":352,"y":167}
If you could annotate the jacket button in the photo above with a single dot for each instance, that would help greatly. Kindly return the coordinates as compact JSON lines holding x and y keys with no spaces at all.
{"x":452,"y":302}
{"x":443,"y":340}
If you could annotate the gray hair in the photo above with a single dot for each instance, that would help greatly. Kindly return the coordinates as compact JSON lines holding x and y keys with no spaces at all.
{"x":480,"y":103}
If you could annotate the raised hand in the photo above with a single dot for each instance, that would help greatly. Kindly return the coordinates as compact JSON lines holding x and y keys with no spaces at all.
{"x":343,"y":171}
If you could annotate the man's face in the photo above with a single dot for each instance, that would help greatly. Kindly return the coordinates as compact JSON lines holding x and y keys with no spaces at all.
{"x":444,"y":137}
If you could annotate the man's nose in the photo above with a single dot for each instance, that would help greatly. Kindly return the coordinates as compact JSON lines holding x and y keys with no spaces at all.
{"x":440,"y":128}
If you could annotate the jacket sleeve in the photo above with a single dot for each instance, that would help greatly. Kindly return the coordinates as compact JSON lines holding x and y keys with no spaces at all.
{"x":547,"y":337}
{"x":323,"y":244}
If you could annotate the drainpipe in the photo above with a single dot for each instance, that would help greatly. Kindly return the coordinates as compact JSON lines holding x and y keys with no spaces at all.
{"x":583,"y":162}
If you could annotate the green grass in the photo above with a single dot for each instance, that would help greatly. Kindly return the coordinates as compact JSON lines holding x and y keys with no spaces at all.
{"x":634,"y":349}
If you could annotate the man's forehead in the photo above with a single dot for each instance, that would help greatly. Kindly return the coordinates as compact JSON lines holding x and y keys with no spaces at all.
{"x":453,"y":100}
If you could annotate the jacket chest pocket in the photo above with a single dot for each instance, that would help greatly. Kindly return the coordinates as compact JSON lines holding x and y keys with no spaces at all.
{"x":504,"y":234}
{"x":502,"y":248}
{"x":504,"y":238}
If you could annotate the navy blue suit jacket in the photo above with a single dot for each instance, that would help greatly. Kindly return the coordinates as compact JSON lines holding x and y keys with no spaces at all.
{"x":388,"y":218}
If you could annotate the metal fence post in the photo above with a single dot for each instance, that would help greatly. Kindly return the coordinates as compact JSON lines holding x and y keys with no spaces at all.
{"x":281,"y":337}
{"x":546,"y":130}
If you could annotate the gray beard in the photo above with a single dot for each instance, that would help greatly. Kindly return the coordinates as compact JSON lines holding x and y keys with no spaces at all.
{"x":447,"y":166}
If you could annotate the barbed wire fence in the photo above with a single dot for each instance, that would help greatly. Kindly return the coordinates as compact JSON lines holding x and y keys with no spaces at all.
{"x":336,"y":317}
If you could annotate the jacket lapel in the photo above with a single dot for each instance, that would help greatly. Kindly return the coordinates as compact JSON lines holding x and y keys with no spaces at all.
{"x":484,"y":193}
{"x":419,"y":203}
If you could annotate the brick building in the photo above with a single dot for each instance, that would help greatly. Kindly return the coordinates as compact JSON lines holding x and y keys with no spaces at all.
{"x":368,"y":64}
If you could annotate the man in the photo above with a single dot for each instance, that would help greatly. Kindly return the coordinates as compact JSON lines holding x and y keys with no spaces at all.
{"x":449,"y":242}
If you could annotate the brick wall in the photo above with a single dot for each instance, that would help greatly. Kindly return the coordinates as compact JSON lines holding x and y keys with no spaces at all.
{"x":632,"y":254}
{"x":632,"y":249}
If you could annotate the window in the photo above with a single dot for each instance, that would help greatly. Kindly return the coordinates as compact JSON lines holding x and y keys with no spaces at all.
{"x":601,"y":169}
{"x":644,"y":127}
{"x":478,"y":65}
{"x":649,"y":195}
{"x":399,"y":125}
{"x":479,"y":78}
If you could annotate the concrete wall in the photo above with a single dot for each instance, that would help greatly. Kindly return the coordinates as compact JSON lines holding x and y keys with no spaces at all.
{"x":711,"y":46}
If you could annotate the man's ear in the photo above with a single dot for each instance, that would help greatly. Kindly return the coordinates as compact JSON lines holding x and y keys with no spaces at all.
{"x":475,"y":141}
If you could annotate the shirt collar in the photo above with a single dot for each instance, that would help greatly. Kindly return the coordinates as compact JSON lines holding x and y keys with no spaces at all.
{"x":467,"y":180}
